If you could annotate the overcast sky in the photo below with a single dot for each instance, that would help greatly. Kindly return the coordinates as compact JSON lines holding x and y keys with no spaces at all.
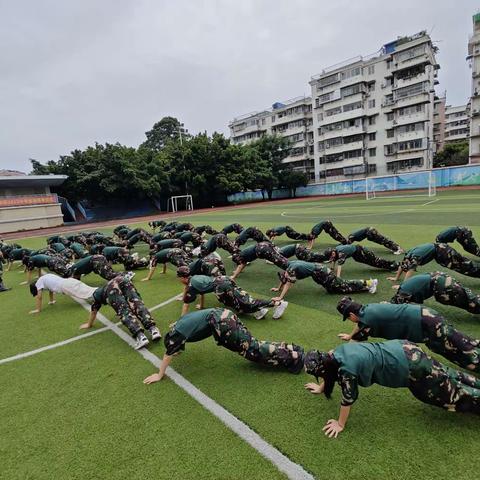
{"x":75,"y":73}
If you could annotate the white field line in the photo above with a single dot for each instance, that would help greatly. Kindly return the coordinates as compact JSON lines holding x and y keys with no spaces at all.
{"x":52,"y":346}
{"x":166,"y":302}
{"x":283,"y":463}
{"x":285,"y":214}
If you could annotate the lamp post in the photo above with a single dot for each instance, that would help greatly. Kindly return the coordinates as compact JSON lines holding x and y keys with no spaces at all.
{"x":181,"y":129}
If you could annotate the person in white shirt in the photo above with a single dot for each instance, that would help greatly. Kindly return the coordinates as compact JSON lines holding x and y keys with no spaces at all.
{"x":119,"y":293}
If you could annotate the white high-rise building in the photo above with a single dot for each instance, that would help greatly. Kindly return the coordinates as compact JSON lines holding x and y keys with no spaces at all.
{"x":457,"y":123}
{"x":474,"y":57}
{"x":291,"y":119}
{"x":374,"y":115}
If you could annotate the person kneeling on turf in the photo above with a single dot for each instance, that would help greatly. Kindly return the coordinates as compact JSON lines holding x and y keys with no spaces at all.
{"x":230,"y":333}
{"x":119,"y":293}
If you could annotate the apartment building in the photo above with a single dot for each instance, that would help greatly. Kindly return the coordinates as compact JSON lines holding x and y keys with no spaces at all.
{"x":457,"y":123}
{"x":374,"y":115}
{"x":474,"y":58}
{"x":291,"y":119}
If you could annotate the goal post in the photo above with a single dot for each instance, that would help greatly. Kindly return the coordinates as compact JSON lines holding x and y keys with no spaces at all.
{"x":411,"y":184}
{"x":185,"y":201}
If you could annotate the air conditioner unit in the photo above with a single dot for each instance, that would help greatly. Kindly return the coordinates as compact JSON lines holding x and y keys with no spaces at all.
{"x":395,"y":122}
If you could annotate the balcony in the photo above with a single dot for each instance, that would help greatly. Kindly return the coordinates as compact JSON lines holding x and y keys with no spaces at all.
{"x":406,"y":82}
{"x":422,"y":97}
{"x":340,"y":117}
{"x":404,"y":137}
{"x":410,"y":62}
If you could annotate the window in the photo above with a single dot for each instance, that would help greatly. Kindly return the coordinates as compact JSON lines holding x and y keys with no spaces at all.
{"x":334,"y":172}
{"x":352,"y":154}
{"x":353,"y":72}
{"x":416,"y":144}
{"x":371,"y":120}
{"x":273,"y":118}
{"x":389,"y":117}
{"x":372,"y":136}
{"x":371,"y":87}
{"x":263,"y":121}
{"x":351,"y":90}
{"x":372,"y":152}
{"x":390,"y":133}
{"x":353,"y":138}
{"x":411,"y":53}
{"x":355,"y":170}
{"x":352,"y":106}
{"x":371,"y":103}
{"x":411,"y":90}
{"x":333,"y":111}
{"x":371,"y":69}
{"x":404,"y":164}
{"x":411,"y":110}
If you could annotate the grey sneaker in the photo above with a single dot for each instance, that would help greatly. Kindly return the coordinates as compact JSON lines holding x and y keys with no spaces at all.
{"x":142,"y":341}
{"x":399,"y":252}
{"x":279,"y":310}
{"x":261,"y":313}
{"x":129,"y":275}
{"x":373,"y":286}
{"x":155,"y":334}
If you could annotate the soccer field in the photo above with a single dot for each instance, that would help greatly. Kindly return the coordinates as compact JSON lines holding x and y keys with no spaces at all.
{"x":81,"y":411}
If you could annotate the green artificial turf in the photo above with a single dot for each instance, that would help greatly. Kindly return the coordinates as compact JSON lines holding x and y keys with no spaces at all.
{"x":390,"y":434}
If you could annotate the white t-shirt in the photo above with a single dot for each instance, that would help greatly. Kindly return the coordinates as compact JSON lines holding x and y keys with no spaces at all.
{"x":50,"y":282}
{"x":68,"y":286}
{"x":75,"y":288}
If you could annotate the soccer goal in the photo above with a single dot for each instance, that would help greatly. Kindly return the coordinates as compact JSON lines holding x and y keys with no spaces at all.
{"x":412,"y":184}
{"x":180,"y":202}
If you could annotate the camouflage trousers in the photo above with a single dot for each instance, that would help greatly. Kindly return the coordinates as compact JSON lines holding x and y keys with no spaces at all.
{"x":122,"y":296}
{"x":329,"y":228}
{"x":218,"y":241}
{"x":436,"y":384}
{"x":178,"y":257}
{"x":132,"y":263}
{"x":450,"y":258}
{"x":268,"y":251}
{"x":375,"y":236}
{"x":442,"y":338}
{"x":333,"y":284}
{"x":363,"y":255}
{"x":212,"y":267}
{"x":448,"y":291}
{"x":139,"y":237}
{"x":100,"y":266}
{"x":58,"y":265}
{"x":294,"y":235}
{"x":205,"y":228}
{"x":234,"y":227}
{"x":228,"y":293}
{"x":251,"y":232}
{"x":229,"y":332}
{"x":466,"y":240}
{"x":310,"y":256}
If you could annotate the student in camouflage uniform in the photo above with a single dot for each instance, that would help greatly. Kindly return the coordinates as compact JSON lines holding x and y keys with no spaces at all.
{"x":154,"y":224}
{"x":298,"y":270}
{"x":265,"y":250}
{"x":209,"y":265}
{"x":228,"y":293}
{"x":58,"y":239}
{"x":188,"y":236}
{"x":93,"y":263}
{"x":175,"y":256}
{"x":184,"y":227}
{"x":443,"y":287}
{"x":443,"y":254}
{"x":94,"y":238}
{"x":298,"y":250}
{"x":327,"y":227}
{"x":77,"y":238}
{"x":16,"y":254}
{"x":375,"y":236}
{"x":354,"y":364}
{"x":414,"y":323}
{"x":167,"y":243}
{"x":3,"y":288}
{"x":341,"y":253}
{"x":162,"y":236}
{"x":463,"y":236}
{"x":142,"y":236}
{"x":122,"y":296}
{"x":205,"y":229}
{"x":233,"y":227}
{"x":289,"y":231}
{"x":220,"y":240}
{"x":230,"y":333}
{"x":122,"y":255}
{"x":122,"y":233}
{"x":62,"y":250}
{"x":251,"y":232}
{"x":170,"y":227}
{"x":55,"y":263}
{"x":78,"y":250}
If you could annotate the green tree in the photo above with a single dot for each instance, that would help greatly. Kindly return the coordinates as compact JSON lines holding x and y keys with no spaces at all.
{"x":292,"y":179}
{"x":451,"y":155}
{"x":163,"y":132}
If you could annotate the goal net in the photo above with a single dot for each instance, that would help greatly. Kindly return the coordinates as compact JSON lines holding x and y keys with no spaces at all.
{"x":412,"y":184}
{"x":180,"y":202}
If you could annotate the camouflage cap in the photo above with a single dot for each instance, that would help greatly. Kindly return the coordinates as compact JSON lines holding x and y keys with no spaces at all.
{"x":314,"y":363}
{"x":183,"y":271}
{"x":346,"y":306}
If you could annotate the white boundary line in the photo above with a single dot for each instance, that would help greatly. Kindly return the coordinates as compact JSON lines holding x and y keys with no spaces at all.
{"x":283,"y":463}
{"x":166,"y":302}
